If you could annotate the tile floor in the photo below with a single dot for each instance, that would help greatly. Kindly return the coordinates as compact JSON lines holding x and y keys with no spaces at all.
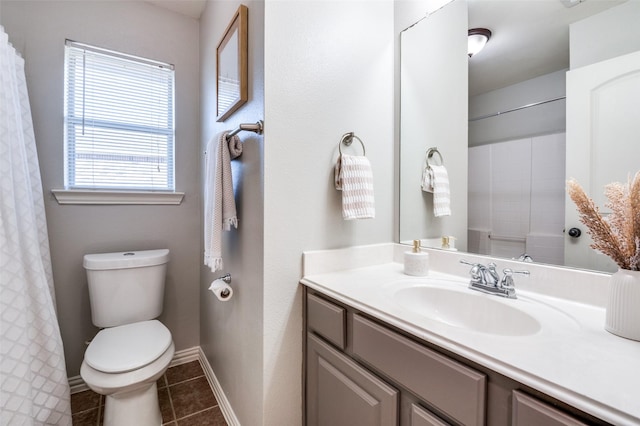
{"x":185,"y":399}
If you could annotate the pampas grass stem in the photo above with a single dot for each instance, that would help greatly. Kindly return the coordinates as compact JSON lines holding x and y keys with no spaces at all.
{"x":618,"y":235}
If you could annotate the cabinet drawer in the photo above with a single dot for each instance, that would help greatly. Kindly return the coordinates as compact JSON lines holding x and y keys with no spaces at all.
{"x":422,"y":417}
{"x":342,"y":393}
{"x":528,"y":411}
{"x":326,"y":319}
{"x":456,"y":390}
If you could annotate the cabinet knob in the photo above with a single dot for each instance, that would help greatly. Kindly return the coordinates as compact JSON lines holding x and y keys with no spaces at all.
{"x":575,"y":232}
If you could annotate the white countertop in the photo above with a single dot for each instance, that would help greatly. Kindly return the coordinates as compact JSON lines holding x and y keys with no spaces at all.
{"x":572,"y":358}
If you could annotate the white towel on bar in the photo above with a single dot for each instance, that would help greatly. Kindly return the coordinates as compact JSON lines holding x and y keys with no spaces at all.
{"x":427,"y":179}
{"x":219,"y":201}
{"x":353,"y":176}
{"x":438,"y":182}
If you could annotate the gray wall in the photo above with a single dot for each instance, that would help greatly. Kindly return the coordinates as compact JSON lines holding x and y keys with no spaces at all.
{"x":231,"y":332}
{"x":38,"y":29}
{"x":316,"y":70}
{"x":328,"y":71}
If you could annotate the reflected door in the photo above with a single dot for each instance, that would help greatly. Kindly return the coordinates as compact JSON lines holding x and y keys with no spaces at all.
{"x":603,"y":141}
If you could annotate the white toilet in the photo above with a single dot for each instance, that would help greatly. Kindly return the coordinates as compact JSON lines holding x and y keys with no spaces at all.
{"x":133,"y":350}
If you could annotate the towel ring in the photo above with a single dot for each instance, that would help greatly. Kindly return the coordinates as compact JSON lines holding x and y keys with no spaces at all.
{"x":431,"y":152}
{"x":347,"y":139}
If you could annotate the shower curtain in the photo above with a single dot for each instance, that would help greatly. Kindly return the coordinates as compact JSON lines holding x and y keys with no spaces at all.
{"x":34,"y":386}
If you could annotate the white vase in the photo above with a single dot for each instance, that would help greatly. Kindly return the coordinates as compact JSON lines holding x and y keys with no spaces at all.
{"x":623,"y":307}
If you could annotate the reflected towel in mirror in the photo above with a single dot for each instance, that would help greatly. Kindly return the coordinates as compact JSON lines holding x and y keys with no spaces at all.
{"x":436,"y":179}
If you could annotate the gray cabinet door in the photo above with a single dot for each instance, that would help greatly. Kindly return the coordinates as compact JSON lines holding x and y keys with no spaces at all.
{"x":422,"y":417}
{"x":528,"y":411}
{"x":342,"y":393}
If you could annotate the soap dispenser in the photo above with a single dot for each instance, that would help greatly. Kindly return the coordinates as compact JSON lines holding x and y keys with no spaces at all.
{"x":416,"y":262}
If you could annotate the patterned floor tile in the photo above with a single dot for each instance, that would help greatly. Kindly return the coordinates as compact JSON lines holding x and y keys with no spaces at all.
{"x":184,"y":400}
{"x":211,"y":417}
{"x":183,"y":372}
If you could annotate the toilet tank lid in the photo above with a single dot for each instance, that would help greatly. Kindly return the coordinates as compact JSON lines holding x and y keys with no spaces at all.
{"x":125,"y":259}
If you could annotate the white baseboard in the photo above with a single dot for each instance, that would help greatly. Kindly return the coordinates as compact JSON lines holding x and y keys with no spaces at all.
{"x":77,"y":384}
{"x":223,"y":402}
{"x":182,"y":357}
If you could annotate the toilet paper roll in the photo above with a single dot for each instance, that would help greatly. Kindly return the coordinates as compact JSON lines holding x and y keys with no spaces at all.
{"x":221,"y":289}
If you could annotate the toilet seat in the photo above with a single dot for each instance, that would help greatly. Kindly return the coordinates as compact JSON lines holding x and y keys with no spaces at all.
{"x":128,"y":347}
{"x":110,"y":384}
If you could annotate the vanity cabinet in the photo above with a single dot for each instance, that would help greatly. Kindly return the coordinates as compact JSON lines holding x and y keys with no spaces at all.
{"x":361,"y":371}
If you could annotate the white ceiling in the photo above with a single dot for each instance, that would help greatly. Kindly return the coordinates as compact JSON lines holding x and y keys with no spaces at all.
{"x":191,"y":8}
{"x":530,"y":38}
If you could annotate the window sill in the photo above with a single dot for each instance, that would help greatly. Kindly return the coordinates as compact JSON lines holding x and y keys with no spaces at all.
{"x":76,"y":196}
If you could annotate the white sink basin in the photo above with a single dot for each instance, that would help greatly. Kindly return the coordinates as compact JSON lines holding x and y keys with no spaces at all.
{"x":460,"y":307}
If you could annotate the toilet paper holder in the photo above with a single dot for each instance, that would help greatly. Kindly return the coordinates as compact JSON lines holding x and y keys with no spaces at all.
{"x":227,"y":279}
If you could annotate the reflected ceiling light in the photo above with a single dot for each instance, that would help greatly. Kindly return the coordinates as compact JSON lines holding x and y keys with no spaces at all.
{"x":478,"y":37}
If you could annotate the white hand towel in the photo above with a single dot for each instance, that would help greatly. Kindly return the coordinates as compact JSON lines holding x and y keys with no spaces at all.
{"x":219,"y":201}
{"x":354,"y":177}
{"x":427,"y":178}
{"x":441,"y":195}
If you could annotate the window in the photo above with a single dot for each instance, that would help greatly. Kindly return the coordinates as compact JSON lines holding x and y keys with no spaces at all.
{"x":119,"y":121}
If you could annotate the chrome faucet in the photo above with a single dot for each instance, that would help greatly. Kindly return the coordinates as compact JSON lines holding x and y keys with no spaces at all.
{"x":487,"y":279}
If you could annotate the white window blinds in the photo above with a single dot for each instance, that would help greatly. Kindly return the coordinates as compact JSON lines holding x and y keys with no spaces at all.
{"x":119,"y":121}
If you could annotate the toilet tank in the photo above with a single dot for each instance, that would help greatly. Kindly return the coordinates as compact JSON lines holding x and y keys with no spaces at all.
{"x":126,"y":287}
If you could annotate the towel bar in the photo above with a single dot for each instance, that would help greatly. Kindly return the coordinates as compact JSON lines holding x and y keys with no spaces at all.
{"x":258,"y":128}
{"x":251,"y":127}
{"x":507,"y":238}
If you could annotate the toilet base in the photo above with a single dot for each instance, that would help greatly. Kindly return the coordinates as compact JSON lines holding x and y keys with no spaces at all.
{"x":138,"y":407}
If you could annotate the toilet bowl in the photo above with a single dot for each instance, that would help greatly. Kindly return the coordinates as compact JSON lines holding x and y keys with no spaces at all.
{"x":124,"y":363}
{"x":133,"y":349}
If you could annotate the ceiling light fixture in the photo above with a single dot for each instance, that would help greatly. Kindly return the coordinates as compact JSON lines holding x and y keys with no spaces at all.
{"x":478,"y":37}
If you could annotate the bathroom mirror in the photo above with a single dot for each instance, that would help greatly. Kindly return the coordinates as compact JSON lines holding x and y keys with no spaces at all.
{"x":513,"y":71}
{"x":232,"y":75}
